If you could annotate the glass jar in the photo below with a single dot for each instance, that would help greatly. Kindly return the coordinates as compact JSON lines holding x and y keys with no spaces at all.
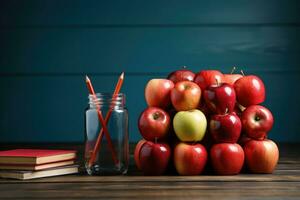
{"x":106,"y":155}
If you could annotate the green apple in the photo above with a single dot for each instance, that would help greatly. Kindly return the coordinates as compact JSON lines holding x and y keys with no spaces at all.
{"x":190,"y":126}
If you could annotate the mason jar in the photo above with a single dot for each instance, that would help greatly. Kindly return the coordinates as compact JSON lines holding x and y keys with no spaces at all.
{"x":106,"y":152}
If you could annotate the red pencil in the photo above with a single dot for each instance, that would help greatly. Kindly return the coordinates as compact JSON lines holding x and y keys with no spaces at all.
{"x":103,"y":123}
{"x":100,"y":135}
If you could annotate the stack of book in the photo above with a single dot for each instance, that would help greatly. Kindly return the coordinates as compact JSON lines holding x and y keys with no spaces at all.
{"x":36,"y":163}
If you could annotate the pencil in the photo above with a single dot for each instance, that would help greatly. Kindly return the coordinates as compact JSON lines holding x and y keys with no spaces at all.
{"x":100,"y":135}
{"x":103,"y":124}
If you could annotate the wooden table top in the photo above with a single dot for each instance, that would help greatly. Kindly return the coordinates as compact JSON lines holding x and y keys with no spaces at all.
{"x":284,"y":183}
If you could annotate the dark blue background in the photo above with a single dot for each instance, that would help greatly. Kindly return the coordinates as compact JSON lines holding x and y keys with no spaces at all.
{"x":48,"y":46}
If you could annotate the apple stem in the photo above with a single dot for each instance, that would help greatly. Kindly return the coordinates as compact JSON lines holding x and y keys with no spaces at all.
{"x":217,"y":81}
{"x":155,"y":140}
{"x":242,"y":72}
{"x":226,"y":110}
{"x":232,"y":70}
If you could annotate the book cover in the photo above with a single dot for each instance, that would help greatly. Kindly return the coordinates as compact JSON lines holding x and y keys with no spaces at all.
{"x":35,"y":156}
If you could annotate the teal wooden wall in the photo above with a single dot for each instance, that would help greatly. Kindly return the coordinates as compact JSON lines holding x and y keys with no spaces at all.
{"x":48,"y":46}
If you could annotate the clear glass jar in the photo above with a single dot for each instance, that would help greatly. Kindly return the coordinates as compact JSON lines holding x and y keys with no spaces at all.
{"x":111,"y":158}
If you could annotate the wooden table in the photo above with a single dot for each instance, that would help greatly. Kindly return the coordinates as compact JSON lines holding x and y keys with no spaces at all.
{"x":283,"y":184}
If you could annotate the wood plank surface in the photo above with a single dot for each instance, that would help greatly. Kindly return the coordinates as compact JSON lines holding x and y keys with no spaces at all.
{"x":145,"y":190}
{"x":284,"y":183}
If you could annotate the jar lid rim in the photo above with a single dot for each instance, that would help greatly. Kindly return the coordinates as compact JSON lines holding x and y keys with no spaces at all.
{"x":106,"y":94}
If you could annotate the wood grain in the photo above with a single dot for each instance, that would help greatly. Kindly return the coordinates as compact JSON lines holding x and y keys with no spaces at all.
{"x":284,"y":183}
{"x":214,"y":190}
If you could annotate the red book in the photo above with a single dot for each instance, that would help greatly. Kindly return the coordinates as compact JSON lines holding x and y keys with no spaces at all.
{"x":35,"y":156}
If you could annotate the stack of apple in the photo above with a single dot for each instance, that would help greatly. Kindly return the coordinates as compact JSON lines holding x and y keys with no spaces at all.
{"x":205,"y":119}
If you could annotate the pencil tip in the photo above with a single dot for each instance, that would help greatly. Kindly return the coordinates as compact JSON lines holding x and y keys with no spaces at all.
{"x":87,"y":78}
{"x":122,"y":75}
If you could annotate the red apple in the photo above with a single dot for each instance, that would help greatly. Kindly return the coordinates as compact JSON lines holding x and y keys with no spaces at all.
{"x":261,"y":156}
{"x":185,"y":96}
{"x":181,"y":75}
{"x":231,"y":78}
{"x":257,"y":121}
{"x":154,"y":123}
{"x":157,"y":92}
{"x":154,"y":158}
{"x":225,"y":128}
{"x":137,"y":153}
{"x":226,"y":158}
{"x":206,"y":78}
{"x":220,"y":98}
{"x":189,"y":159}
{"x":250,"y":90}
